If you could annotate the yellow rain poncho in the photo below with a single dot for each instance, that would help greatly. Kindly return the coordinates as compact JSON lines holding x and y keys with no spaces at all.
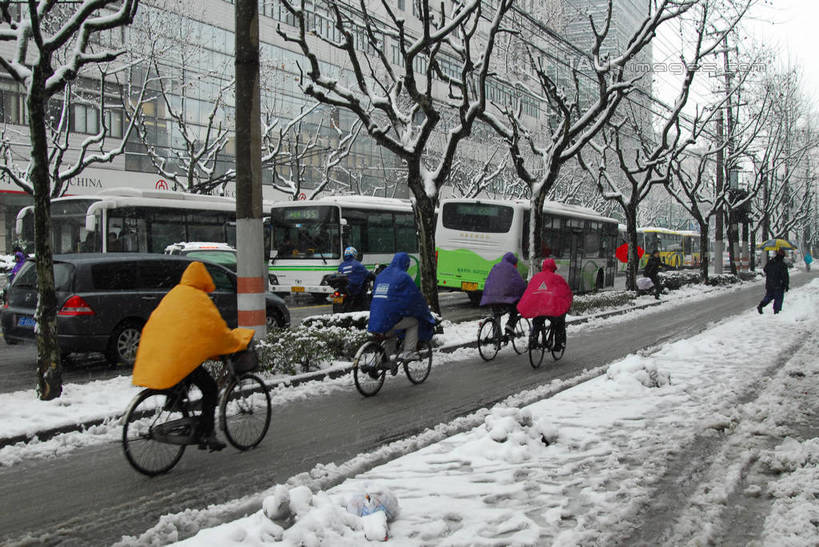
{"x":185,"y":330}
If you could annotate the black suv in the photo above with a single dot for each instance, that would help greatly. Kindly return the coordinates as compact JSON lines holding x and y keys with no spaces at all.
{"x":105,"y":299}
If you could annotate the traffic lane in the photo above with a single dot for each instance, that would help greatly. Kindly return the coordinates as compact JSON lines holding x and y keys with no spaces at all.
{"x":92,"y":495}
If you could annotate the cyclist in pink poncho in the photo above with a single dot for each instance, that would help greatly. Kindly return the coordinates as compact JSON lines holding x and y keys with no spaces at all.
{"x":547,"y":296}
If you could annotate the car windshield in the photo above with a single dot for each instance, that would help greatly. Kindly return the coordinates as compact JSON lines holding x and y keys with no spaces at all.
{"x":225,"y":258}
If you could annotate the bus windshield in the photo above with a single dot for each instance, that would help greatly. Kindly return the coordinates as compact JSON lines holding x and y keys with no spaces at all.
{"x":306,"y":232}
{"x":477,"y":217}
{"x":67,"y":228}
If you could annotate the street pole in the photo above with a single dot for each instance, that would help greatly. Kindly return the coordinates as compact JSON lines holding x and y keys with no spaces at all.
{"x":718,"y":217}
{"x":251,"y":265}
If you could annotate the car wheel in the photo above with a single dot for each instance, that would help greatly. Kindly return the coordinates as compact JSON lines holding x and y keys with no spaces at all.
{"x":123,"y":343}
{"x":273,"y":320}
{"x":10,"y":342}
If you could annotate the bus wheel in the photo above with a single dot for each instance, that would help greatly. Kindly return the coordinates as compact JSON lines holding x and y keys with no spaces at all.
{"x":475,"y":297}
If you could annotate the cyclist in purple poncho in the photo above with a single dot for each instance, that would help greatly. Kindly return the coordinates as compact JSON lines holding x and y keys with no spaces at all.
{"x":398,"y":305}
{"x":503,"y":288}
{"x":19,"y":260}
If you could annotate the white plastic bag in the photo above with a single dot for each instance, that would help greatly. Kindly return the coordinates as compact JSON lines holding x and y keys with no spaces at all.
{"x":374,"y":500}
{"x":644,"y":283}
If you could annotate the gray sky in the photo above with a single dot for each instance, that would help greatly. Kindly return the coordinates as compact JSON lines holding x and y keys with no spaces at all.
{"x":793,"y":26}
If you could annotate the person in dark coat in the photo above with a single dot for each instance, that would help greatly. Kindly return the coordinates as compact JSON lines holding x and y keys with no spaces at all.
{"x":503,"y":288}
{"x":777,"y":282}
{"x":548,"y":296}
{"x":652,"y":270}
{"x":399,"y":305}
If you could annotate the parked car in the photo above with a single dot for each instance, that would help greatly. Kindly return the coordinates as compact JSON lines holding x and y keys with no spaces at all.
{"x":220,"y":253}
{"x":105,"y":299}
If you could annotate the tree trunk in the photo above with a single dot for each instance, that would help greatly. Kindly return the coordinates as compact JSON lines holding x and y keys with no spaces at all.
{"x":633,"y":256}
{"x":49,"y":371}
{"x":536,"y":232}
{"x":425,"y":221}
{"x":703,"y":251}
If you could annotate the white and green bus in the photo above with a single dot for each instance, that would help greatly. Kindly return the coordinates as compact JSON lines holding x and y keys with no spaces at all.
{"x":472,"y":235}
{"x":309,"y":238}
{"x":132,"y":220}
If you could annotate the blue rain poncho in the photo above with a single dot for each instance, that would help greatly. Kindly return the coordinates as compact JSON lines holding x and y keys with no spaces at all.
{"x":396,"y":296}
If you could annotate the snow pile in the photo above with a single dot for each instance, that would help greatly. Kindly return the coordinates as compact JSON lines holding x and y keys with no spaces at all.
{"x":614,"y":446}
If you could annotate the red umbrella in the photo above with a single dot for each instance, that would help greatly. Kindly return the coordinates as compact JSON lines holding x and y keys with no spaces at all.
{"x":622,"y":252}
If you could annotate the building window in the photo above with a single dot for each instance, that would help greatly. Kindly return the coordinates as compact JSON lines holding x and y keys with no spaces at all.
{"x":13,"y":107}
{"x":84,"y":119}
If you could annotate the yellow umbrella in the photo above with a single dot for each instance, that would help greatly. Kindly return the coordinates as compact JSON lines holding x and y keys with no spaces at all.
{"x":776,"y":244}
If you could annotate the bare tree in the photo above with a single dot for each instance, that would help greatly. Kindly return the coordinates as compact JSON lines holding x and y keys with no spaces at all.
{"x":52,"y":46}
{"x":576,"y":121}
{"x":441,"y":65}
{"x":289,"y":149}
{"x":648,"y":162}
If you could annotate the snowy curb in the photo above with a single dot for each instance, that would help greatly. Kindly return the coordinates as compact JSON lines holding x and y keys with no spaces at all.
{"x":331,"y":373}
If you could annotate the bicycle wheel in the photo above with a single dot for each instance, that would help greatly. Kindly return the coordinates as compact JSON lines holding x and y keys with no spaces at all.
{"x":536,"y":347}
{"x":519,"y":342}
{"x":368,"y":372}
{"x":148,"y":411}
{"x":417,"y":371}
{"x":488,"y":338}
{"x":556,"y":354}
{"x":244,"y":411}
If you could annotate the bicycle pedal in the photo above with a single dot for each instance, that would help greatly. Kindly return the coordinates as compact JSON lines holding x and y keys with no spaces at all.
{"x":394,"y":369}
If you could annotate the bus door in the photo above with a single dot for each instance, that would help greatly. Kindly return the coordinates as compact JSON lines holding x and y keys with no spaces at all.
{"x":575,"y":248}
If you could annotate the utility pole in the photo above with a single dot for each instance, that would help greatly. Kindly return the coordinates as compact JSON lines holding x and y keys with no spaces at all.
{"x":718,"y":217}
{"x":251,"y":274}
{"x":729,"y":179}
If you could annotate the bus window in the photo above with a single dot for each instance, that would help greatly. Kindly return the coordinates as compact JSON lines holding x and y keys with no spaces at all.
{"x":380,"y":233}
{"x":356,"y":229}
{"x":206,"y":226}
{"x":406,"y":238}
{"x":652,"y":242}
{"x":591,"y":239}
{"x":477,"y":217}
{"x":164,"y":228}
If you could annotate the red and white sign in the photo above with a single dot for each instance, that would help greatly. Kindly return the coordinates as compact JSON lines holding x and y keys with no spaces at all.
{"x":161,"y":184}
{"x":302,"y":196}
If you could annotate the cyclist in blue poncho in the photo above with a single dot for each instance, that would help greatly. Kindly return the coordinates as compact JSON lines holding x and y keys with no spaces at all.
{"x":398,"y":305}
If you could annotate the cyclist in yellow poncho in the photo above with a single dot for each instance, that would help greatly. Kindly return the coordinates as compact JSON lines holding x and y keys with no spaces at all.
{"x":184,"y":331}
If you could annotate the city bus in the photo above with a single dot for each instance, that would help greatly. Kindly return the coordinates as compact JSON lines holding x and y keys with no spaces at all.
{"x":130,"y":220}
{"x":308,"y":239}
{"x":472,"y":235}
{"x":678,"y":248}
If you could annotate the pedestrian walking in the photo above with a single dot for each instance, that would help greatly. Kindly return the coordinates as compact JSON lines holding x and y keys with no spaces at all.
{"x":652,"y":271}
{"x":777,"y":282}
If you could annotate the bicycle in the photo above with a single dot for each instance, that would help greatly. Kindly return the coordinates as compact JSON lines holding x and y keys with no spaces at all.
{"x":542,"y":340}
{"x":160,"y":423}
{"x":491,"y":338}
{"x":372,"y":361}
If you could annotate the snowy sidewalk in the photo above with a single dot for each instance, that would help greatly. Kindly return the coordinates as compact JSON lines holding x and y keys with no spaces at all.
{"x":590,"y":464}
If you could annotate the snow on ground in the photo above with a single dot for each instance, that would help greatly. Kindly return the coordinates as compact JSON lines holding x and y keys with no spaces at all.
{"x":579,"y":467}
{"x":22,"y":413}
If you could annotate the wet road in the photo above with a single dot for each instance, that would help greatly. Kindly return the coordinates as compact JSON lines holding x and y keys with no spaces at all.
{"x":91,"y":496}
